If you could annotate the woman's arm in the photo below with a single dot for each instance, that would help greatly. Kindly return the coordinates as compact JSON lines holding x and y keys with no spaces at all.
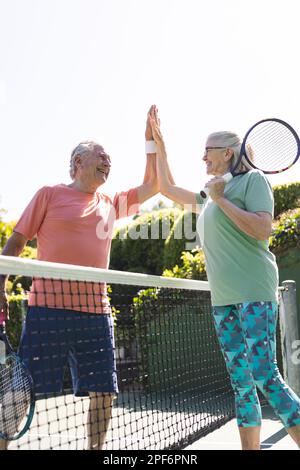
{"x":173,"y":192}
{"x":257,"y":225}
{"x":165,"y":179}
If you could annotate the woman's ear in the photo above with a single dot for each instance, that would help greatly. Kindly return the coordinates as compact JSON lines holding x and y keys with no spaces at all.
{"x":229,"y":154}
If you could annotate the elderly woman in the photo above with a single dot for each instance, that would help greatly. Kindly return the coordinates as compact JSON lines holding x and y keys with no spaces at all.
{"x":235,"y":223}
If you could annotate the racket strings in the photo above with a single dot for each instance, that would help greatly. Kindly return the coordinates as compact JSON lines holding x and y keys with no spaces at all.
{"x":15,"y":396}
{"x":271,"y":146}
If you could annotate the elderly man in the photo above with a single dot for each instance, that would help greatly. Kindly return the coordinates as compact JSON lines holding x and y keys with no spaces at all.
{"x":73,"y":224}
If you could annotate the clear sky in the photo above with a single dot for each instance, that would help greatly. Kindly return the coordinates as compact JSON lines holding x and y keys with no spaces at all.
{"x":72,"y":70}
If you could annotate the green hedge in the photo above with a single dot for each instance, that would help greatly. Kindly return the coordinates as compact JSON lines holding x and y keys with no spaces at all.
{"x":192,"y":266}
{"x":286,"y":232}
{"x":135,"y":250}
{"x":6,"y":229}
{"x":286,"y":197}
{"x":182,"y":235}
{"x":17,"y":310}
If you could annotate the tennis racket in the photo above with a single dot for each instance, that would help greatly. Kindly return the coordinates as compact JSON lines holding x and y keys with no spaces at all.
{"x":17,"y":400}
{"x":271,"y":145}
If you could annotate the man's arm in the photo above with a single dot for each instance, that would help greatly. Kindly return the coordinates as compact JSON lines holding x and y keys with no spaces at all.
{"x":150,"y":184}
{"x":13,"y":247}
{"x":173,"y":192}
{"x":165,"y":179}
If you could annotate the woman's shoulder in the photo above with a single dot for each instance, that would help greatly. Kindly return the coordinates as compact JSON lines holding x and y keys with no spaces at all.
{"x":256,"y":179}
{"x":256,"y":175}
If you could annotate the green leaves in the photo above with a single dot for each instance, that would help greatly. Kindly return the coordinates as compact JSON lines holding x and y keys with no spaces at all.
{"x":139,"y":247}
{"x":286,"y":232}
{"x":286,"y":197}
{"x":192,"y":267}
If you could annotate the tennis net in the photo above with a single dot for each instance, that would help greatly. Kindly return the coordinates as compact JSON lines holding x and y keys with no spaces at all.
{"x":160,"y":350}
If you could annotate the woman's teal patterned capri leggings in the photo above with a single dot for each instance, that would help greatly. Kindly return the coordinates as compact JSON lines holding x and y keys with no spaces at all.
{"x":247,"y":334}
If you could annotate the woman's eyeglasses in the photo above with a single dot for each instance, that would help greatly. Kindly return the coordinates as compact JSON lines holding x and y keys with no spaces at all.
{"x":212,"y":148}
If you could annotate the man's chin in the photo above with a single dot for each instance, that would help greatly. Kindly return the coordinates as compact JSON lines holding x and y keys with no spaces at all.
{"x":101,"y":180}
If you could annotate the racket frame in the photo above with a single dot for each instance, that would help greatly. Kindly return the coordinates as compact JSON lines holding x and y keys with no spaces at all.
{"x":244,"y":153}
{"x":11,"y":354}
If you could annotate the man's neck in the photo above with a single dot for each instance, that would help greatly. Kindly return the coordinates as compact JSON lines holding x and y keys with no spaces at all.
{"x":83,"y":187}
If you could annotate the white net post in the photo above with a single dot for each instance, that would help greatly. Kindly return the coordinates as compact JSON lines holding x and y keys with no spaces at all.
{"x":290,"y":334}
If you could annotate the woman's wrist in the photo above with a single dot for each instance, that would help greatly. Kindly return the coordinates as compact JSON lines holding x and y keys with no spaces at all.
{"x":161,"y":149}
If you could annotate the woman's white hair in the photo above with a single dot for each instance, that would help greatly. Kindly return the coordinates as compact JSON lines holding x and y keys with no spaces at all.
{"x":83,"y":148}
{"x":231,"y":141}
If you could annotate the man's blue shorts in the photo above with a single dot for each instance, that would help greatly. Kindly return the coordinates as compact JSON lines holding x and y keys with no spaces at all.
{"x":52,"y":338}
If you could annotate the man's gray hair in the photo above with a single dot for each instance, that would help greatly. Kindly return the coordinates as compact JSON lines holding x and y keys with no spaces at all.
{"x":231,"y":141}
{"x":81,"y":149}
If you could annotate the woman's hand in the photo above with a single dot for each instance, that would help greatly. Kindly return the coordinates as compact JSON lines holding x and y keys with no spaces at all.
{"x":216,"y":188}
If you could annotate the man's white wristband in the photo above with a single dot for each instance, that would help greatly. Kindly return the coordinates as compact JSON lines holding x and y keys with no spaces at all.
{"x":150,"y":146}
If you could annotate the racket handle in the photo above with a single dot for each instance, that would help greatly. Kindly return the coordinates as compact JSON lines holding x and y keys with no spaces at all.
{"x":227,"y":177}
{"x":204,"y":193}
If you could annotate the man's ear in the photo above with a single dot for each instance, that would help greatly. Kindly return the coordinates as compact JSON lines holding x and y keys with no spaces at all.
{"x":77,"y":161}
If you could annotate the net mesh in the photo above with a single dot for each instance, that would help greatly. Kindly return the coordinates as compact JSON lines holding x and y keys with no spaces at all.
{"x":149,"y":374}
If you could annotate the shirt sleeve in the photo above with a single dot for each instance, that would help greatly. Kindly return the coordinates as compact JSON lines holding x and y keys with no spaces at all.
{"x":259,"y":194}
{"x":126,"y":203}
{"x":34,"y":214}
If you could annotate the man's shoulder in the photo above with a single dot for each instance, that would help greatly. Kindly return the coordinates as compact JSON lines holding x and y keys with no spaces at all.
{"x":49,"y":191}
{"x":50,"y":188}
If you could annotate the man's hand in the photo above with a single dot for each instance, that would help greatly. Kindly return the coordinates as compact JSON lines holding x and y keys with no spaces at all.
{"x":4,"y":311}
{"x":148,"y":132}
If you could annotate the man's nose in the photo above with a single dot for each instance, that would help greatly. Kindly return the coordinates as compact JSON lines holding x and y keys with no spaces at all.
{"x":106,"y":162}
